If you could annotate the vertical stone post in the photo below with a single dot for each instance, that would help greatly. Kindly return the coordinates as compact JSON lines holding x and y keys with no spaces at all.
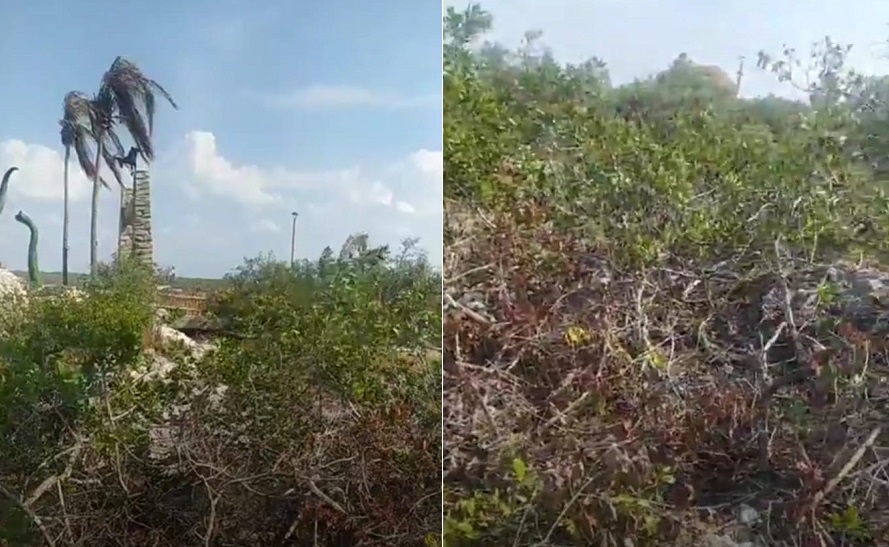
{"x":135,"y":235}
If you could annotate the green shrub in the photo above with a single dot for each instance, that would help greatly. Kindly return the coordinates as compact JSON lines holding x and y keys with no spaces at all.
{"x":58,"y":354}
{"x":338,"y":325}
{"x":322,"y":382}
{"x":689,"y":183}
{"x":623,"y":243}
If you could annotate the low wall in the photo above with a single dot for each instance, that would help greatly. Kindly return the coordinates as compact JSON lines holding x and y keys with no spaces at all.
{"x":190,"y":303}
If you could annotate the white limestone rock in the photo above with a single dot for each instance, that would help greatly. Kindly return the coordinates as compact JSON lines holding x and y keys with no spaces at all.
{"x":11,"y":284}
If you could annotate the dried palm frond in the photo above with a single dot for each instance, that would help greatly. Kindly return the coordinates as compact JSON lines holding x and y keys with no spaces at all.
{"x":83,"y":123}
{"x":134,"y":96}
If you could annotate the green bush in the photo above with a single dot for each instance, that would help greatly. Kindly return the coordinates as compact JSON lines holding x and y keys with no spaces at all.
{"x":316,"y":414}
{"x":612,"y":253}
{"x":684,"y":180}
{"x":58,"y":354}
{"x":329,"y":316}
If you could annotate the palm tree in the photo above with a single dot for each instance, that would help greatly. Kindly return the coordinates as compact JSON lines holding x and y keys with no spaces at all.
{"x":107,"y":143}
{"x":126,"y":96}
{"x":134,"y":96}
{"x":80,"y":119}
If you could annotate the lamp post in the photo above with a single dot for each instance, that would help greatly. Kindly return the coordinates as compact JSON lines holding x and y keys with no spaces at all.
{"x":293,"y":238}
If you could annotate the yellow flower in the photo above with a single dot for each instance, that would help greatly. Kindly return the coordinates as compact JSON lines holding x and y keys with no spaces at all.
{"x":577,"y":336}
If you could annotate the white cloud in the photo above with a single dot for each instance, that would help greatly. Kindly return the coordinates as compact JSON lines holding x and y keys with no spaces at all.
{"x":418,"y":179}
{"x":388,"y":201}
{"x":248,"y":184}
{"x":343,"y":96}
{"x":40,"y":174}
{"x":430,"y":162}
{"x":405,"y":207}
{"x":217,"y":175}
{"x":420,"y":174}
{"x":236,"y":211}
{"x":265,"y":225}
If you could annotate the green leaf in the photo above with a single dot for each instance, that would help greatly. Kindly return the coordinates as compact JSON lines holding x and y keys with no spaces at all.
{"x":519,"y":469}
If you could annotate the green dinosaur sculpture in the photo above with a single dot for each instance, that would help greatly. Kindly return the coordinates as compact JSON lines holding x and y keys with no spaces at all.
{"x":4,"y":186}
{"x":33,"y":268}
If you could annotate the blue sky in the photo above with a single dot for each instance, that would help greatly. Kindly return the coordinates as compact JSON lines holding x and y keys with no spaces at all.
{"x":640,"y":37}
{"x":332,"y":109}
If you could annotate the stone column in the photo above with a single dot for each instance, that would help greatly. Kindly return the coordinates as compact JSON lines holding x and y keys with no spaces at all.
{"x":135,"y":220}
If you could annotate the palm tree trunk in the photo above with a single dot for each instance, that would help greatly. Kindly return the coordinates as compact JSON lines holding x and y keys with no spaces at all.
{"x":94,"y":216}
{"x":65,"y":220}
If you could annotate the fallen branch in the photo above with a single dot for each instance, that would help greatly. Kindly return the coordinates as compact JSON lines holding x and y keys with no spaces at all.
{"x":470,"y":313}
{"x":819,"y":496}
{"x":52,"y":480}
{"x":35,"y":518}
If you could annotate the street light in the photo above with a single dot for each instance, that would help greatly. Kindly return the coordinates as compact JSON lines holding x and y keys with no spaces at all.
{"x":293,"y":238}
